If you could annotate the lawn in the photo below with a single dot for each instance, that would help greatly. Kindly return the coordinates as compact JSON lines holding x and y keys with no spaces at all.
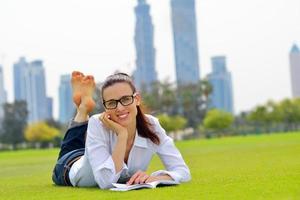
{"x":244,"y":167}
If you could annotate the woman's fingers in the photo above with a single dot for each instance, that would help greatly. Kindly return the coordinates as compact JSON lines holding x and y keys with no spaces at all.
{"x":138,"y":177}
{"x":132,"y":179}
{"x":105,"y":118}
{"x":144,"y":178}
{"x":151,"y":179}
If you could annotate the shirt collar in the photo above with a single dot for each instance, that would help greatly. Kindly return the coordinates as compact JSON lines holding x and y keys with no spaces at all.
{"x":140,"y":141}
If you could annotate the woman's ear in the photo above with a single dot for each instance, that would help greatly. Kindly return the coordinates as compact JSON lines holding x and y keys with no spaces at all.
{"x":138,"y":99}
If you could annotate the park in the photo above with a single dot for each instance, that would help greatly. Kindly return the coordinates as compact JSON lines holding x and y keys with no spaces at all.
{"x":261,"y":166}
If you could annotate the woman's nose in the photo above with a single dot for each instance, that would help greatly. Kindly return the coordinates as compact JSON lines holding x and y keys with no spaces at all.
{"x":119,"y":106}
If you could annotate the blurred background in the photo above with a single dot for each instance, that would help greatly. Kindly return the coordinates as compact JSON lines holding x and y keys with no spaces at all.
{"x":205,"y":68}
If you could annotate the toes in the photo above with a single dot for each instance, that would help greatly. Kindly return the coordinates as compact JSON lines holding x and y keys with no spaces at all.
{"x":76,"y":73}
{"x":89,"y":80}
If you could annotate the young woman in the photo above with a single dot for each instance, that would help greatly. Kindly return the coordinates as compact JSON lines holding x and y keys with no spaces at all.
{"x":119,"y":143}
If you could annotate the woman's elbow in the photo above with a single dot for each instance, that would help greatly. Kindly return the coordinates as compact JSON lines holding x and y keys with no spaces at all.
{"x":186,"y":176}
{"x":103,"y":183}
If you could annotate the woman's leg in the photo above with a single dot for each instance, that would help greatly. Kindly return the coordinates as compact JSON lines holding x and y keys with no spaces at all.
{"x":73,"y":144}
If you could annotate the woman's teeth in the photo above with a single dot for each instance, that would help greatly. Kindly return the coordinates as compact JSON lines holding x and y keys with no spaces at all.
{"x":123,"y":116}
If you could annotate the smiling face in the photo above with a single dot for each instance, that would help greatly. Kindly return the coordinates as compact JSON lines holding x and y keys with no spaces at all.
{"x":123,"y":115}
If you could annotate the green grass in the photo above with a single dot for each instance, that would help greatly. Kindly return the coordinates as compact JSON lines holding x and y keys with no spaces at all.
{"x":247,"y":167}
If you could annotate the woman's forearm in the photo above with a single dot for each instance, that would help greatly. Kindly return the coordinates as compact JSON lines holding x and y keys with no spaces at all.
{"x":118,"y":153}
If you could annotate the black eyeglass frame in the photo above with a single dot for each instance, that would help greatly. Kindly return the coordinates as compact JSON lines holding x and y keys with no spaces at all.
{"x":120,"y":101}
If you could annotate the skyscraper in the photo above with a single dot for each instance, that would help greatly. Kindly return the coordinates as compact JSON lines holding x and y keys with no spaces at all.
{"x":30,"y":85}
{"x":66,"y":107}
{"x":220,"y":79}
{"x":49,"y":108}
{"x":36,"y":98}
{"x":19,"y":79}
{"x":3,"y":95}
{"x":185,"y":41}
{"x":145,"y":73}
{"x":295,"y":70}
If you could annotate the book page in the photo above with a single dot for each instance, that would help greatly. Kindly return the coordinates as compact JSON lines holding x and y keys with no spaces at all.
{"x":125,"y":187}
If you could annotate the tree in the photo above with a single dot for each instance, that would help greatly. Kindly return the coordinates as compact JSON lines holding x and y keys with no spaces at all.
{"x":161,"y":98}
{"x":193,"y":101}
{"x":190,"y":101}
{"x":290,"y":113}
{"x":166,"y":122}
{"x":40,"y":132}
{"x":276,"y":116}
{"x":14,"y":122}
{"x":172,"y":123}
{"x":218,"y":120}
{"x":179,"y":123}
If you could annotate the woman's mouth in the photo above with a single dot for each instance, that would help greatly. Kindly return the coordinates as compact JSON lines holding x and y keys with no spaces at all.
{"x":122,"y":116}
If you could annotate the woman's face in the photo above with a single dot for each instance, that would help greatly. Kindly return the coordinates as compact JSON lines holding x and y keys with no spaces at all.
{"x":123,"y":115}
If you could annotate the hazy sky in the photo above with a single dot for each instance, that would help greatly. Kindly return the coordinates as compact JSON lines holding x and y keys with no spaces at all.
{"x":96,"y":37}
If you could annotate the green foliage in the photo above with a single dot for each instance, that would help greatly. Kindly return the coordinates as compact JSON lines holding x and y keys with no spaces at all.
{"x":161,"y":98}
{"x":285,"y":113}
{"x":252,"y":167}
{"x":189,"y":101}
{"x":172,"y":123}
{"x":165,"y":122}
{"x":193,"y":100}
{"x":218,"y":120}
{"x":14,"y":123}
{"x":179,"y":122}
{"x":40,"y":132}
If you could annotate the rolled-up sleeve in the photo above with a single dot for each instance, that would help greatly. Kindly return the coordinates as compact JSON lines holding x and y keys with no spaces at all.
{"x":171,"y":158}
{"x":100,"y":159}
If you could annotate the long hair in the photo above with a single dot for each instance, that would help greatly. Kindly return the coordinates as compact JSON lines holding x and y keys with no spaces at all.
{"x":144,"y":127}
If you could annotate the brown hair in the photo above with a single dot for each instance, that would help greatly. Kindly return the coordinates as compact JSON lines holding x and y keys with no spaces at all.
{"x":144,"y":127}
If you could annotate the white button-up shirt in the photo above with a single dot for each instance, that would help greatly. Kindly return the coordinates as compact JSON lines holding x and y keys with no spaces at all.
{"x":100,"y":143}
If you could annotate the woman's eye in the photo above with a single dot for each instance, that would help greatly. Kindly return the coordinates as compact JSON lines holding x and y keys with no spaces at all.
{"x":126,"y":99}
{"x":111,"y":103}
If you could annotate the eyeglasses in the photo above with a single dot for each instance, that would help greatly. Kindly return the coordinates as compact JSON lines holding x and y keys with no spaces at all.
{"x":125,"y":101}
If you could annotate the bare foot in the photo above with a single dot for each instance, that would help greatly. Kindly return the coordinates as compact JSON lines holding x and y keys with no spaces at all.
{"x":76,"y":80}
{"x":87,"y":90}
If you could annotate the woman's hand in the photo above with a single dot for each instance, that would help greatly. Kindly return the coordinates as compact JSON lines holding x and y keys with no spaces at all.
{"x":142,"y":177}
{"x":105,"y":119}
{"x":118,"y":153}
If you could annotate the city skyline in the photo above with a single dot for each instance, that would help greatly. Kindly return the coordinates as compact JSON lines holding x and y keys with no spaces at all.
{"x":2,"y":95}
{"x":66,"y":109}
{"x":30,"y":86}
{"x":145,"y":73}
{"x":95,"y":40}
{"x":184,"y":27}
{"x":221,"y":81}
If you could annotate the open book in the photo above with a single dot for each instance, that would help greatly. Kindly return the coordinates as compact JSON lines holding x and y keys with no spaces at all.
{"x":154,"y":184}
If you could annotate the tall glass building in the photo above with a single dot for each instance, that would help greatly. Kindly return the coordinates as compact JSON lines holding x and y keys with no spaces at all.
{"x":30,"y":85}
{"x":220,"y":79}
{"x":19,"y":79}
{"x":36,"y":98}
{"x":66,"y":107}
{"x":145,"y":73}
{"x":3,"y":95}
{"x":185,"y":41}
{"x":295,"y":70}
